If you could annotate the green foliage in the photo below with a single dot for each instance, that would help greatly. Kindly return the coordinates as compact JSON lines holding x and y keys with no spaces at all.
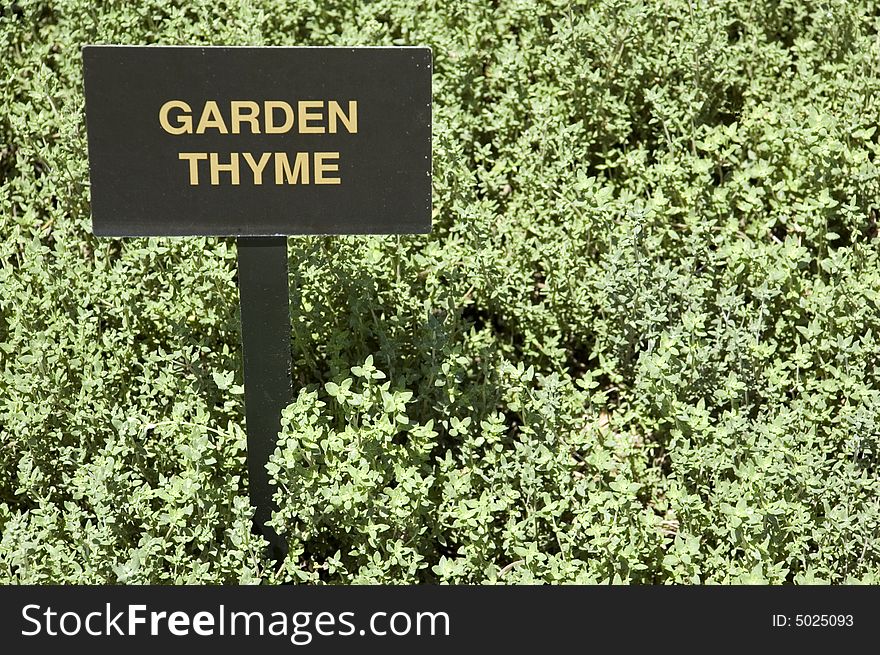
{"x":640,"y":344}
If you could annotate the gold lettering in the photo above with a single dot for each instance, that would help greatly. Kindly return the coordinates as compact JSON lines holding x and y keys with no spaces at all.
{"x":269,"y":107}
{"x":321,"y":168}
{"x":194,"y":158}
{"x":250,"y":117}
{"x":350,"y":121}
{"x":300,"y":168}
{"x":184,"y":121}
{"x":217,"y":168}
{"x":211,"y":118}
{"x":257,"y":166}
{"x":305,"y":116}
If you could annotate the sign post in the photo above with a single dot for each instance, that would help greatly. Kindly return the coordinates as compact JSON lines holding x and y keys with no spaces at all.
{"x":258,"y":144}
{"x":265,"y":337}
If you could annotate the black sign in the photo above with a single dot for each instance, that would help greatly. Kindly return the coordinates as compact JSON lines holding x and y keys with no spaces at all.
{"x":258,"y":141}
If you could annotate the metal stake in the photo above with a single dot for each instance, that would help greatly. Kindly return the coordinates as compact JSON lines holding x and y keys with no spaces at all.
{"x":265,"y":336}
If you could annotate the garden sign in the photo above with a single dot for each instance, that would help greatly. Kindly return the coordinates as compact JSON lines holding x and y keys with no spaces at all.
{"x":259,"y":143}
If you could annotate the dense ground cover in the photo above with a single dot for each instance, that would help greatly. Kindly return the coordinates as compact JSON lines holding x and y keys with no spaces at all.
{"x":640,"y":345}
